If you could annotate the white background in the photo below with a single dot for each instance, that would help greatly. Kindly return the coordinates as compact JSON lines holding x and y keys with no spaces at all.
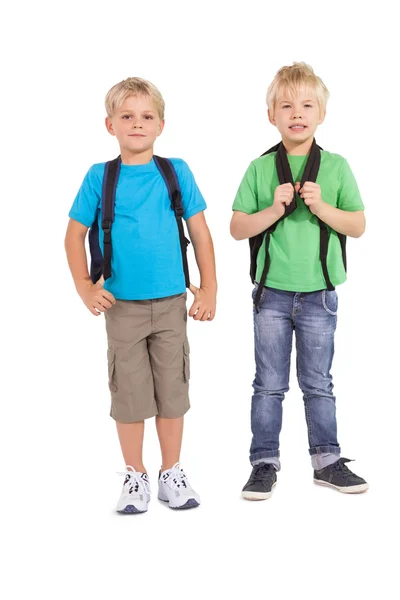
{"x":59,"y":450}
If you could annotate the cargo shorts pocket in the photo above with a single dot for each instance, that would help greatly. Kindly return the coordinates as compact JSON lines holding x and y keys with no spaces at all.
{"x":111,"y":369}
{"x":186,"y":361}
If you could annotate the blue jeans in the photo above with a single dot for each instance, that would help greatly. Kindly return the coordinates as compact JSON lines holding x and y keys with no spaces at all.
{"x":312,"y":315}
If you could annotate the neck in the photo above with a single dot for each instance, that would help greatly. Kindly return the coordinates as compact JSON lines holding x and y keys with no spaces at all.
{"x":298,"y":149}
{"x":136,"y":158}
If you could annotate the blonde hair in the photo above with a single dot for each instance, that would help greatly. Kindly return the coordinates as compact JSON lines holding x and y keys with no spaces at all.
{"x":291,"y":79}
{"x":133,"y":86}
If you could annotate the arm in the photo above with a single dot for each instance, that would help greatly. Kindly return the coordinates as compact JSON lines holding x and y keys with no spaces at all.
{"x":94,"y":296}
{"x":343,"y":221}
{"x":245,"y":226}
{"x":203,"y":307}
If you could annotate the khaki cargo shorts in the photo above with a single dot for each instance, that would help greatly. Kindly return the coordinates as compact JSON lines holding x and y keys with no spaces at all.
{"x":148,"y":358}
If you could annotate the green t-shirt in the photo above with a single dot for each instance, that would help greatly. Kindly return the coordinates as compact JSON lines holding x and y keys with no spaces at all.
{"x":294,"y":245}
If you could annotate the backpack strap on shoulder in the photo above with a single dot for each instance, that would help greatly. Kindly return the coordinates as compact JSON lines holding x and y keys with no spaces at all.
{"x":171,"y":180}
{"x":110,"y":181}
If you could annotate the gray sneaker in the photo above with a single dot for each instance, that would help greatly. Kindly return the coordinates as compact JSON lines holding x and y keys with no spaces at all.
{"x":261,"y":483}
{"x":338,"y":476}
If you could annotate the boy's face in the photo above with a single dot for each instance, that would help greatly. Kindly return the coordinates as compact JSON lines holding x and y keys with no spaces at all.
{"x":297,"y":117}
{"x":136,"y":124}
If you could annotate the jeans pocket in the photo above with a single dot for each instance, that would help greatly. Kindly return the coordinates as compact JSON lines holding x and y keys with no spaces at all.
{"x":111,"y":369}
{"x":330,"y":302}
{"x":186,"y":361}
{"x":254,"y":292}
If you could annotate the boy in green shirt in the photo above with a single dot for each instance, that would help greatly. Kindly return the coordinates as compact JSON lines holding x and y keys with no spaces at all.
{"x":296,"y":204}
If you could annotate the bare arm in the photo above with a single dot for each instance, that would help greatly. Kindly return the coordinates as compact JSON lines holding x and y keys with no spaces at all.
{"x":343,"y":221}
{"x":246,"y":226}
{"x":204,"y":304}
{"x":94,"y":296}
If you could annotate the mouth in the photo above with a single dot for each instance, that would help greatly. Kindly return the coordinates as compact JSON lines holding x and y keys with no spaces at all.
{"x":298,"y":127}
{"x":136,"y":135}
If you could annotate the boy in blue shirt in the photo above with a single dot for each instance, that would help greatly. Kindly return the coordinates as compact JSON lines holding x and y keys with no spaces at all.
{"x":144,"y":299}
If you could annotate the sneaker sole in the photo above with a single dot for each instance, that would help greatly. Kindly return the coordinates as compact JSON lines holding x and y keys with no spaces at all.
{"x":353,"y":489}
{"x":258,"y":495}
{"x":191,"y":503}
{"x":130,"y":510}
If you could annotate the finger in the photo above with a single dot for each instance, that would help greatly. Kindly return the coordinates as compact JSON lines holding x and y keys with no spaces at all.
{"x":93,"y":311}
{"x":109,"y":296}
{"x":104,"y":302}
{"x":297,"y":186}
{"x":212,"y":315}
{"x":193,"y":309}
{"x":206,"y":315}
{"x":98,"y":306}
{"x":193,"y":289}
{"x":309,"y":185}
{"x":200,"y":314}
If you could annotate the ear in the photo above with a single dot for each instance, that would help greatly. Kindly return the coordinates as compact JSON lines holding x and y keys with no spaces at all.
{"x":161,"y":127}
{"x":109,"y":126}
{"x":322,"y":116}
{"x":271,"y":118}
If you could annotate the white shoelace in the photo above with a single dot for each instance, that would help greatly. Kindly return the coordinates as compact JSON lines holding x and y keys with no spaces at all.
{"x":135,"y":480}
{"x":177,"y":478}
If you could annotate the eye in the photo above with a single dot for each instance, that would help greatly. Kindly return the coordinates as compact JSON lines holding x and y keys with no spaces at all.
{"x":308,"y":105}
{"x":149,"y":117}
{"x":126,"y":117}
{"x":286,"y":106}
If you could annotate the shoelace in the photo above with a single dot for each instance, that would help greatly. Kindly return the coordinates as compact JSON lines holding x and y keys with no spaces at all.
{"x":261,"y":471}
{"x":340,"y":466}
{"x":134,"y":480}
{"x":176,"y":478}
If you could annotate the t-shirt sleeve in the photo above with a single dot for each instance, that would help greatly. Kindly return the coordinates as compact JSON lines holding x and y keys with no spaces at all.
{"x":87,"y":201}
{"x":349,"y":197}
{"x":192,"y":199}
{"x":246,"y":196}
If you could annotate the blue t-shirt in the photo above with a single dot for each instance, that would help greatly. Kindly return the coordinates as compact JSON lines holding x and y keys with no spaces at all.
{"x":146,"y":254}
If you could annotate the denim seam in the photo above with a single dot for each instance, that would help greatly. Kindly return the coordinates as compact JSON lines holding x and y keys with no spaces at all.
{"x":330,"y":312}
{"x":308,"y":418}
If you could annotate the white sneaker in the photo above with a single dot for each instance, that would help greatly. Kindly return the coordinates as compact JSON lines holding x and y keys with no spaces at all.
{"x":174,"y":488}
{"x":135,"y":492}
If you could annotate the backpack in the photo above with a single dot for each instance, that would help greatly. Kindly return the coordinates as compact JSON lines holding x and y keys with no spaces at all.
{"x":285,"y":176}
{"x":101,"y":265}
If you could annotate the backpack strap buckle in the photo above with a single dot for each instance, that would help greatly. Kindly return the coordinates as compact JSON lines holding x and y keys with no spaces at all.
{"x":106,"y":225}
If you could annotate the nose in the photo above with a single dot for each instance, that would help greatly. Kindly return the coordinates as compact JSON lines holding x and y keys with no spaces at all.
{"x":136,"y":124}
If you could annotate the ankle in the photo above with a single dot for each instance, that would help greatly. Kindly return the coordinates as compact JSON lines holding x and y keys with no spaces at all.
{"x":168,"y":465}
{"x":139,"y":467}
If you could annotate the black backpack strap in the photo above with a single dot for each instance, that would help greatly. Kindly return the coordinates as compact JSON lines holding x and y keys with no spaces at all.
{"x":110,"y":180}
{"x":285,"y":176}
{"x":323,"y":252}
{"x":171,"y":180}
{"x":257,"y":241}
{"x":342,"y":240}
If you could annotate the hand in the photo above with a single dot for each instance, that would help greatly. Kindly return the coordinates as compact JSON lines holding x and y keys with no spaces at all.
{"x":204,"y":304}
{"x":282,"y":198}
{"x":311,"y":194}
{"x":95,"y":297}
